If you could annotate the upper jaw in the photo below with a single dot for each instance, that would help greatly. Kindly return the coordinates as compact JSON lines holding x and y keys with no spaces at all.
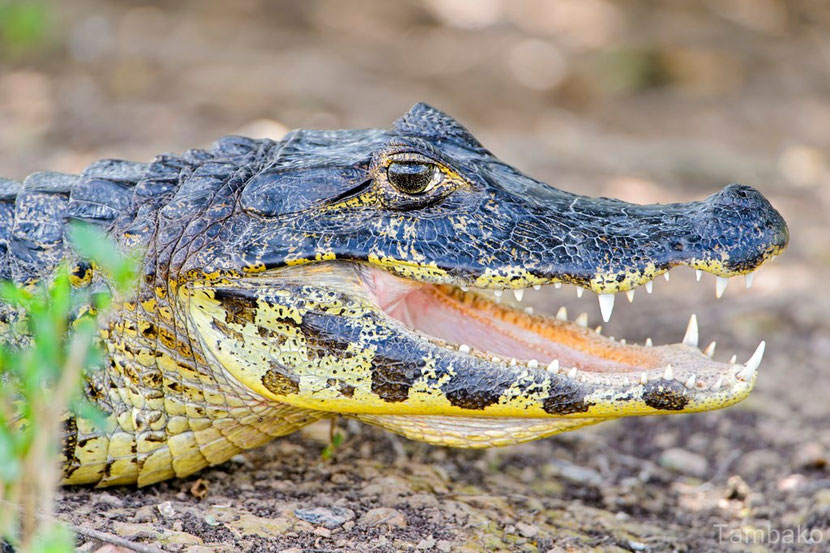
{"x":541,"y":235}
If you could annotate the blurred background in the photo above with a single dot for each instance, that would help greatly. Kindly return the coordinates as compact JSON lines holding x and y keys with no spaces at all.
{"x":643,"y":100}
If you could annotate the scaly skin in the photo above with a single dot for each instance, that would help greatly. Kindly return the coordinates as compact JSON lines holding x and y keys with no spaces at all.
{"x":275,"y":273}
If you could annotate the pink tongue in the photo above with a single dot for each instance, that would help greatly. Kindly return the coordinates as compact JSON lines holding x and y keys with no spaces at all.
{"x":418,"y":307}
{"x":389,"y":290}
{"x":412,"y":303}
{"x":421,"y":311}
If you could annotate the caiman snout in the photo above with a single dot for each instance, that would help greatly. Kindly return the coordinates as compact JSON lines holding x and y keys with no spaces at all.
{"x":743,"y":227}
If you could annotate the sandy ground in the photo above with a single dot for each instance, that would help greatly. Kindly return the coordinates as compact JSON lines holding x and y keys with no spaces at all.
{"x":619,"y":99}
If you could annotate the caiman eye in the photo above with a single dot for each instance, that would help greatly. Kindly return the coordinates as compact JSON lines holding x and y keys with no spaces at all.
{"x":413,"y":178}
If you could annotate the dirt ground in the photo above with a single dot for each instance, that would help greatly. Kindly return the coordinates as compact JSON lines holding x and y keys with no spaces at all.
{"x":645,"y":101}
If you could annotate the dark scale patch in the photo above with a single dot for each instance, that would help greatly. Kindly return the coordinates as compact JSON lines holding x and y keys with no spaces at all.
{"x":476,"y":399}
{"x":149,"y":331}
{"x":346,"y":390}
{"x":81,"y":273}
{"x":227,"y":331}
{"x":152,"y":379}
{"x":392,"y":378}
{"x":280,"y":384}
{"x":471,"y":388}
{"x":272,"y":336}
{"x":566,"y":399}
{"x":108,"y":468}
{"x":240,"y":305}
{"x":70,"y":441}
{"x":167,"y":338}
{"x":94,"y":391}
{"x":665,"y":395}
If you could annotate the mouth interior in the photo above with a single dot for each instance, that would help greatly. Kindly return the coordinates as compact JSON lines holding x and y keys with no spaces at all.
{"x":452,"y":315}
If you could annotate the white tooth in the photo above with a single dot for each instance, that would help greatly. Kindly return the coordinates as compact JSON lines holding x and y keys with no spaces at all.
{"x":582,"y":320}
{"x":720,"y":286}
{"x":622,"y":341}
{"x":562,"y":314}
{"x":690,"y":383}
{"x":755,"y":361}
{"x":529,"y":310}
{"x":572,"y":373}
{"x":557,"y":285}
{"x":698,"y":274}
{"x":650,"y":286}
{"x":716,"y":386}
{"x":498,"y":293}
{"x":748,"y":279}
{"x":710,"y":349}
{"x":464,"y":288}
{"x":649,"y":343}
{"x":606,"y":306}
{"x":598,"y":329}
{"x":666,"y":276}
{"x":668,"y":374}
{"x":626,"y":382}
{"x":512,"y":361}
{"x":733,"y":359}
{"x":537,"y":287}
{"x":744,"y":374}
{"x":464,"y":348}
{"x":691,"y":338}
{"x":553,"y":366}
{"x":532,"y":364}
{"x":579,"y":291}
{"x":630,"y":296}
{"x":519,"y":293}
{"x":583,"y":379}
{"x":611,"y":338}
{"x":643,"y":378}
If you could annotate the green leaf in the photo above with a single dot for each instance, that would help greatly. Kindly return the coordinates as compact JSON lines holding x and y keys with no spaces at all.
{"x":84,"y":409}
{"x":9,"y":461}
{"x":93,"y":243}
{"x":53,"y":538}
{"x":331,"y":448}
{"x":14,"y":295}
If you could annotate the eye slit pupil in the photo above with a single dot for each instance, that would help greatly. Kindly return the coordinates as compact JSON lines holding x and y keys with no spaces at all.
{"x":410,"y":178}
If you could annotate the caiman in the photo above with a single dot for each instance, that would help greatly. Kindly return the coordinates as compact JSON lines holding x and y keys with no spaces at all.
{"x":359,"y":273}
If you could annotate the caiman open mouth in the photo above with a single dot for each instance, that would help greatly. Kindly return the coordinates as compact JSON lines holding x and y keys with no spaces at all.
{"x":477,"y":323}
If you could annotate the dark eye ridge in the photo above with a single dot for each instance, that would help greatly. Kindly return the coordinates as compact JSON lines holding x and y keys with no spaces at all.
{"x":412,"y":178}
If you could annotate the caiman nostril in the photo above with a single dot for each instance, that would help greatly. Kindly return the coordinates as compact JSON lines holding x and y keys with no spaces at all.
{"x":741,"y":196}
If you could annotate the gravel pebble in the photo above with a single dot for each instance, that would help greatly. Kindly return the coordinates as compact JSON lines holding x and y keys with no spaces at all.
{"x":810,"y":455}
{"x":166,"y":509}
{"x":383,"y":515}
{"x":684,"y":462}
{"x":109,"y":499}
{"x":328,"y":517}
{"x":443,"y":546}
{"x":426,"y":543}
{"x":527,"y":530}
{"x":322,"y":532}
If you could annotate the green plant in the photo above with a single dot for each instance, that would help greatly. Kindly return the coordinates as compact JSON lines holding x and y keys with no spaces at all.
{"x":24,"y":25}
{"x":50,"y":338}
{"x":335,"y":440}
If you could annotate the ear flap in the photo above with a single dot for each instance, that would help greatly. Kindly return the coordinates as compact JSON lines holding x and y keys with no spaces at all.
{"x":425,"y":121}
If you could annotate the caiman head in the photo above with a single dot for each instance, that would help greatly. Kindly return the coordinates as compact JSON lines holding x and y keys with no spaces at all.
{"x":351,"y":277}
